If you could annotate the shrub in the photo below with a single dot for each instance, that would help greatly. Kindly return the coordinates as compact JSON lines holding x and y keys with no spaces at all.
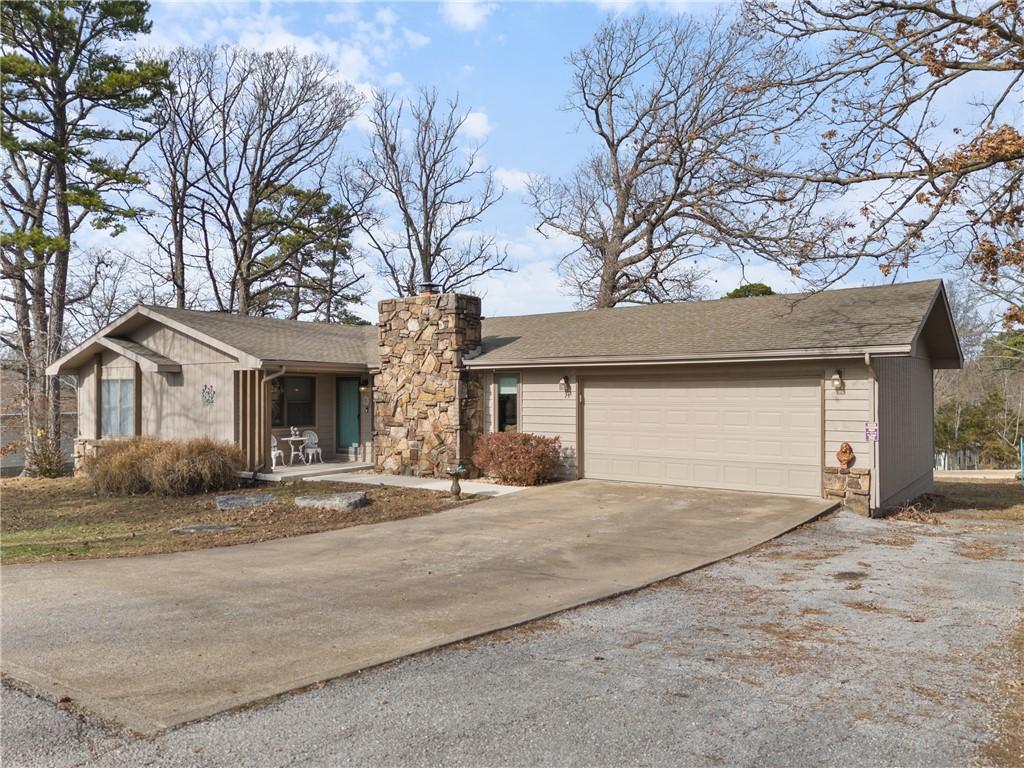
{"x":164,"y":467}
{"x":121,"y":468}
{"x":45,"y":458}
{"x":519,"y":458}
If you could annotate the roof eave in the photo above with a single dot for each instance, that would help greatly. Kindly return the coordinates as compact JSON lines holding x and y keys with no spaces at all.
{"x":300,"y":365}
{"x":165,"y":365}
{"x":739,"y":357}
{"x":947,"y":363}
{"x":59,"y":365}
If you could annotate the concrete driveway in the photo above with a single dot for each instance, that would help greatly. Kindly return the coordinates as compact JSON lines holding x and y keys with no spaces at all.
{"x":153,"y":642}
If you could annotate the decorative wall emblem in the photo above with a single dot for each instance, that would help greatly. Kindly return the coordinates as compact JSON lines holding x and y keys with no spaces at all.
{"x":845,"y":455}
{"x":209,"y":394}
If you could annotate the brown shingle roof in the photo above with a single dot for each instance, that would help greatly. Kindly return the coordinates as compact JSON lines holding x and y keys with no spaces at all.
{"x":852,"y":318}
{"x":270,"y":339}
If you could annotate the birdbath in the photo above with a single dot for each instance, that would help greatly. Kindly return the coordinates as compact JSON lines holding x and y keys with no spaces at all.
{"x":455,"y":473}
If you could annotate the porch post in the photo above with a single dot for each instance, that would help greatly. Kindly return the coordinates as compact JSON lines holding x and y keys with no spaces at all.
{"x":253,"y":409}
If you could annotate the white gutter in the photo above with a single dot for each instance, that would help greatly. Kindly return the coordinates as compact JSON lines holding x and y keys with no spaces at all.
{"x":810,"y":354}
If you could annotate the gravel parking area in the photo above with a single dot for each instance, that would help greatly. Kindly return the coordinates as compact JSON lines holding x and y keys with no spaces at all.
{"x":850,"y":642}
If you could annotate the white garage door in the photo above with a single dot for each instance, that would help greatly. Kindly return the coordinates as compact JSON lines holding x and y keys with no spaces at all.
{"x":752,"y":435}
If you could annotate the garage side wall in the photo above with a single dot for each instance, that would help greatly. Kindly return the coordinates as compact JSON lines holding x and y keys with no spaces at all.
{"x":906,"y":444}
{"x":846,"y":410}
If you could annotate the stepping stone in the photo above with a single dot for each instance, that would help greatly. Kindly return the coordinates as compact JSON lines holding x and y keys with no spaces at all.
{"x":202,"y":528}
{"x":338,"y":501}
{"x":244,"y":501}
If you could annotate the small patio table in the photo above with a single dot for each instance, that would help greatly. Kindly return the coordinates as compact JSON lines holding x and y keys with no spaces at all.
{"x":295,"y":443}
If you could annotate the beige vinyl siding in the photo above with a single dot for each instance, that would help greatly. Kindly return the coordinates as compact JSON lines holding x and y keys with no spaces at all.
{"x":326,"y":420}
{"x":87,"y":383}
{"x":545,"y":409}
{"x":846,"y":411}
{"x":172,"y":403}
{"x":905,"y":421}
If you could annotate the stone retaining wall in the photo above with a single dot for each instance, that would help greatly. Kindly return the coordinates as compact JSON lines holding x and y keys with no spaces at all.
{"x":851,"y":486}
{"x":426,"y":409}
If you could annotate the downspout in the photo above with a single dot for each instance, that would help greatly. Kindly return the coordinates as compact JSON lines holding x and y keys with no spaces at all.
{"x":874,"y":498}
{"x":275,"y":375}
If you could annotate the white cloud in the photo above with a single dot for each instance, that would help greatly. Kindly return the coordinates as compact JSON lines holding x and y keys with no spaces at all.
{"x":387,"y":17}
{"x":512,"y":179}
{"x":466,"y":14}
{"x":346,"y":13}
{"x":415,"y":39}
{"x":477,"y":126}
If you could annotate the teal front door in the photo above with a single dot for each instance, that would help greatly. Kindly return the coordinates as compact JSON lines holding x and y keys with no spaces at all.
{"x":348,"y":414}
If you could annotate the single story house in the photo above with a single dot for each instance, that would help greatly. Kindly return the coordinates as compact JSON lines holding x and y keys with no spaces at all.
{"x":754,"y":394}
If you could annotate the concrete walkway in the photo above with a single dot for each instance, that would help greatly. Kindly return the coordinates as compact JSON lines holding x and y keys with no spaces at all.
{"x":153,"y":642}
{"x":427,"y":483}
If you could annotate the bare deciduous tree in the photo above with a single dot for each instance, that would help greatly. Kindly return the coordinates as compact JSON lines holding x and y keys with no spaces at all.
{"x":173,"y":171}
{"x":914,"y":108}
{"x":438,"y":188}
{"x":680,"y":110}
{"x":269,"y":122}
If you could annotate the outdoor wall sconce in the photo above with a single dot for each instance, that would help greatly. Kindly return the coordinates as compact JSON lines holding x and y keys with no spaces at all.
{"x":564,"y":385}
{"x":364,"y":387}
{"x":837,"y":380}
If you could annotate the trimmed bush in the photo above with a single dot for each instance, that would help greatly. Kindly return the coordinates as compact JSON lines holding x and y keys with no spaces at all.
{"x":164,"y":467}
{"x":518,"y":458}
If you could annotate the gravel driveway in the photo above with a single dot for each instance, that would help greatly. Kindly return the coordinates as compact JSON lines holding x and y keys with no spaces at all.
{"x":849,"y":642}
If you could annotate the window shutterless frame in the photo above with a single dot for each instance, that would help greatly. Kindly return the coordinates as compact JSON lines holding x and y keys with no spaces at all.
{"x":507,"y":401}
{"x":117,"y":407}
{"x":293,"y":402}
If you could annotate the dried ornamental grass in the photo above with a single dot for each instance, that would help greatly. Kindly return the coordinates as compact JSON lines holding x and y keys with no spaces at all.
{"x":164,"y":467}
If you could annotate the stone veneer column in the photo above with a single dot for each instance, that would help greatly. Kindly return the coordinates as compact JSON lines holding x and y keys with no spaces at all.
{"x":851,"y":486}
{"x":426,"y":408}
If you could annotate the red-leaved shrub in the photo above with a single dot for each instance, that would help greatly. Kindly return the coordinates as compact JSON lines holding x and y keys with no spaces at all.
{"x":518,"y":458}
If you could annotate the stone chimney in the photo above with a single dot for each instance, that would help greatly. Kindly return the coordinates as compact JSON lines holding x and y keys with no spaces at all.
{"x":426,"y":408}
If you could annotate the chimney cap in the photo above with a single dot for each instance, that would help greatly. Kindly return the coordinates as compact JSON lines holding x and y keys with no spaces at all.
{"x":429,"y":288}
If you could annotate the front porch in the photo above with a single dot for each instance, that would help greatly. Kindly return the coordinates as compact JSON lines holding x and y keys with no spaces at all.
{"x":275,"y":408}
{"x":300,"y":471}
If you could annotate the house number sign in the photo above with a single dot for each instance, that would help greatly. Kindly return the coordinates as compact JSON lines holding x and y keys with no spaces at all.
{"x":870,"y":431}
{"x":209,"y":394}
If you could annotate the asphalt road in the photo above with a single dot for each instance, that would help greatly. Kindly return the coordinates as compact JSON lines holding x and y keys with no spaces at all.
{"x":850,"y":642}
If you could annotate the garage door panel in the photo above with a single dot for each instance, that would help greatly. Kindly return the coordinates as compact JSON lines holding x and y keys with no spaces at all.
{"x":740,"y":434}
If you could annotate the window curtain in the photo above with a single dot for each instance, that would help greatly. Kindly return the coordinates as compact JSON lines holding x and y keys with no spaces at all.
{"x":117,"y":401}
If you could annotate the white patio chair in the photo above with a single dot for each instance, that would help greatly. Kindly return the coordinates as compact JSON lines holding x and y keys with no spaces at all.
{"x":312,"y":446}
{"x":276,"y":454}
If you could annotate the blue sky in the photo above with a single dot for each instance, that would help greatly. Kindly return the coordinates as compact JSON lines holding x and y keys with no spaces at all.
{"x":506,"y":61}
